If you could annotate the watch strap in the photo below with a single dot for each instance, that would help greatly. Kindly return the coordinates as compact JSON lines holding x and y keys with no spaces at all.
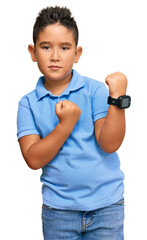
{"x":112,"y":101}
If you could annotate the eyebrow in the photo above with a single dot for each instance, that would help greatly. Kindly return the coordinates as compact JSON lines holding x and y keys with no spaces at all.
{"x":66,"y":43}
{"x":62,"y":43}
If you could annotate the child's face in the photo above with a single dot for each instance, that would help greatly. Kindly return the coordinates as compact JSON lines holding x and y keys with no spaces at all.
{"x":55,"y":52}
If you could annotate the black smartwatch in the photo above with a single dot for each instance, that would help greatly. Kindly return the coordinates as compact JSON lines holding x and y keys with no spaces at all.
{"x":122,"y":102}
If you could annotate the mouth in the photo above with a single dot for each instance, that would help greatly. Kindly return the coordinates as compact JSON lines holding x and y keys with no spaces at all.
{"x":54,"y":67}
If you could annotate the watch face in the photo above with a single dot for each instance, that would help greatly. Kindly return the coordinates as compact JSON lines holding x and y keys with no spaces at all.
{"x":124,"y":101}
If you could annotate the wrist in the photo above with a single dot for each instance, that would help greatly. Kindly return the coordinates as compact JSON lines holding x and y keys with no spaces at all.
{"x":117,"y":95}
{"x":65,"y":128}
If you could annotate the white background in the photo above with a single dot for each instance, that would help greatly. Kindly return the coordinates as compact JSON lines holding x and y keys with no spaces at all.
{"x":113,"y":34}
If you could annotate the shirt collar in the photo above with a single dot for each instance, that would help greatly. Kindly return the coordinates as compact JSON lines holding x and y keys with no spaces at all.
{"x":76,"y":83}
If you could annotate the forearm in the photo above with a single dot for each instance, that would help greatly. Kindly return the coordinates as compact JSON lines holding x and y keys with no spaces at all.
{"x":38,"y":152}
{"x":113,"y":130}
{"x":43,"y":151}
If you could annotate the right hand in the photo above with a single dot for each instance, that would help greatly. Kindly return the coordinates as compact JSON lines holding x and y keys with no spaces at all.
{"x":68,"y":113}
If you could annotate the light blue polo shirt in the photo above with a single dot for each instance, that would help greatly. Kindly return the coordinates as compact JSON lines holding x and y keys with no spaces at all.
{"x":81,"y":176}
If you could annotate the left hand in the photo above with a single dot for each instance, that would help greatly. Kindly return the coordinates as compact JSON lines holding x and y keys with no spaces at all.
{"x":117,"y":83}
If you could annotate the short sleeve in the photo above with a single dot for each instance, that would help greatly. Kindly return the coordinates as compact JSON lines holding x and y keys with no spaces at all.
{"x":25,"y":120}
{"x":99,"y":101}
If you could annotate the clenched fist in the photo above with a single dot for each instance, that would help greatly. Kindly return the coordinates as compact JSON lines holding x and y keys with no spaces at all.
{"x":68,"y":113}
{"x":117,"y":83}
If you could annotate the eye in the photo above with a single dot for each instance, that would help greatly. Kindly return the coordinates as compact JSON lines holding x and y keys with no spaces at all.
{"x":65,"y":48}
{"x":46,"y":47}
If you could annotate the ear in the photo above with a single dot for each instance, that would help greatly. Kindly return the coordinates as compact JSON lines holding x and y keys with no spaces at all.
{"x":31,"y":50}
{"x":78,"y":54}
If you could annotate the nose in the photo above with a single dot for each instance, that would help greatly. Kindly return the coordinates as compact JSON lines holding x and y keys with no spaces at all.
{"x":54,"y":55}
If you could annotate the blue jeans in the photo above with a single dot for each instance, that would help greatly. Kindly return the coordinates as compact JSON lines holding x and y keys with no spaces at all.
{"x":101,"y":224}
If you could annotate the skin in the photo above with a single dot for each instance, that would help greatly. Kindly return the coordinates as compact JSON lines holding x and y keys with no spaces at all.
{"x":112,"y":132}
{"x":55,"y":46}
{"x":55,"y":53}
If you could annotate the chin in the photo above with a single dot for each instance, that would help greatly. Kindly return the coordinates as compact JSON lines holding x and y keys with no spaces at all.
{"x":57,"y":77}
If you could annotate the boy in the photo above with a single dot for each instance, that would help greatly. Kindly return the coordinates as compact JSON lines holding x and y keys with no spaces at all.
{"x":66,"y":128}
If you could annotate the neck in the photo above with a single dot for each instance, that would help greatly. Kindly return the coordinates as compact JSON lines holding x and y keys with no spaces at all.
{"x":56,"y":87}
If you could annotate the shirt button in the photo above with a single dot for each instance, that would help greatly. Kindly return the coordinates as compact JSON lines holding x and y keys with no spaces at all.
{"x":59,"y":100}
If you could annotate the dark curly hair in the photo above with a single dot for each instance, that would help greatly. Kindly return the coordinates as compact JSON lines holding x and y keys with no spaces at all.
{"x":53,"y":15}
